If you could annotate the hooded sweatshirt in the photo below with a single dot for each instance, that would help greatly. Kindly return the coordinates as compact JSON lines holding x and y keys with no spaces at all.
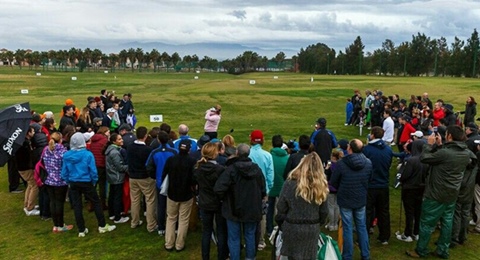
{"x":351,"y":180}
{"x":206,"y":175}
{"x":79,"y":163}
{"x":242,"y":187}
{"x":380,"y":155}
{"x":280,"y":158}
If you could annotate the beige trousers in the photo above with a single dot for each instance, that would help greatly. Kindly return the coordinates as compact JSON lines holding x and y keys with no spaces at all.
{"x":147,"y":188}
{"x":180,"y":211}
{"x":31,"y":193}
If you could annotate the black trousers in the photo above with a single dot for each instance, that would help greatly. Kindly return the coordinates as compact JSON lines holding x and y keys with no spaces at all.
{"x":412,"y":203}
{"x":88,"y":190}
{"x":115,"y":207}
{"x":13,"y":175}
{"x":378,"y":204}
{"x":57,"y":196}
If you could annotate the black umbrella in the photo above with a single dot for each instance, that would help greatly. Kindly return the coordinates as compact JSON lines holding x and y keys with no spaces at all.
{"x":14,"y":123}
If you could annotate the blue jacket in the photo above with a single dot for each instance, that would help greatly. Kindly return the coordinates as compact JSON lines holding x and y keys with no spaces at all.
{"x":156,"y":162}
{"x":381,"y":156}
{"x":265,"y":161}
{"x":193,"y":141}
{"x":350,"y":178}
{"x":79,"y":166}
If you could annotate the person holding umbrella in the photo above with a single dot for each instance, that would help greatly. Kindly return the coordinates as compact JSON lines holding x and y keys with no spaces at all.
{"x":24,"y":157}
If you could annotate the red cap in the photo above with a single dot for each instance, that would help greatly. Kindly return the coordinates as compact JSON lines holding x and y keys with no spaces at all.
{"x":256,"y":136}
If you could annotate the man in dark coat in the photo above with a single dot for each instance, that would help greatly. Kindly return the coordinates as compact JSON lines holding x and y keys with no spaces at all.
{"x":448,"y":162}
{"x":351,"y":181}
{"x":378,"y":202}
{"x":323,"y":140}
{"x":242,"y":187}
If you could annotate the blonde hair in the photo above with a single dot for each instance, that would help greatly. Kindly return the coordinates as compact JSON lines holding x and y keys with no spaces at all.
{"x":337,"y":154}
{"x":209,"y":152}
{"x":312,"y":183}
{"x":229,"y":141}
{"x":55,"y":137}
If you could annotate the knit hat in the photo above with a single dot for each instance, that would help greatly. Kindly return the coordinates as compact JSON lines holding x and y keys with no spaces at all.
{"x":48,"y":114}
{"x":111,"y":110}
{"x":256,"y":136}
{"x":68,"y":102}
{"x":203,"y":140}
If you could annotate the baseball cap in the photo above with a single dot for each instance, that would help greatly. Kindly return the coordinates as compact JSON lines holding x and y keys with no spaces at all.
{"x":418,"y":134}
{"x":256,"y":136}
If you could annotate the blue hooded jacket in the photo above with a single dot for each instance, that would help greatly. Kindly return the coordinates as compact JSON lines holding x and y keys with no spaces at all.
{"x":79,"y":163}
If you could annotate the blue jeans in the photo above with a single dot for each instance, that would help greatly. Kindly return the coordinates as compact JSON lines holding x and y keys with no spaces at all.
{"x":359,"y":218}
{"x":234,"y":235}
{"x":207,"y":222}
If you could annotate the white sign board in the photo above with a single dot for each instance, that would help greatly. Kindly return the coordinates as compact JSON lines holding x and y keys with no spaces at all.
{"x":156,"y":118}
{"x":252,"y":82}
{"x":39,"y":74}
{"x":74,"y":78}
{"x":275,"y":77}
{"x":105,"y":71}
{"x":311,"y":79}
{"x":196,"y":77}
{"x":24,"y":91}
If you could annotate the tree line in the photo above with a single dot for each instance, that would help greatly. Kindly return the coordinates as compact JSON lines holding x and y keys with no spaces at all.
{"x":420,"y":56}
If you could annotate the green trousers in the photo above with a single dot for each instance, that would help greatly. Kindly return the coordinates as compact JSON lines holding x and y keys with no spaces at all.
{"x":432,"y":212}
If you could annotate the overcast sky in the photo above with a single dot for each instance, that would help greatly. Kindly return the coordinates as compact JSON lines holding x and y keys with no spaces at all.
{"x":280,"y":24}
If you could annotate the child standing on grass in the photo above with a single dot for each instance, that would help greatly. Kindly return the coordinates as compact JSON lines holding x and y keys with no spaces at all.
{"x":79,"y":171}
{"x":333,"y":210}
{"x":348,"y":111}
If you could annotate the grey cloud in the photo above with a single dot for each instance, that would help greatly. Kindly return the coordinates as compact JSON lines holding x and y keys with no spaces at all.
{"x":240,"y":14}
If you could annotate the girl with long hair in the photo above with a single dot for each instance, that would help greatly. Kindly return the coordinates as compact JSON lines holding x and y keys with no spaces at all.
{"x":206,"y":173}
{"x":85,"y":122}
{"x":56,"y":187}
{"x":303,"y":209}
{"x":470,"y":111}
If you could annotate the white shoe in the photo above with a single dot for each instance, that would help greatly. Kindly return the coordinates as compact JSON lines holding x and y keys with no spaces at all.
{"x":111,"y":217}
{"x":404,"y":238}
{"x":261,"y":246}
{"x":33,"y":212}
{"x":346,"y":124}
{"x":82,"y":234}
{"x":106,"y":228}
{"x":472,"y":223}
{"x":392,"y":143}
{"x":121,"y":220}
{"x":136,"y":225}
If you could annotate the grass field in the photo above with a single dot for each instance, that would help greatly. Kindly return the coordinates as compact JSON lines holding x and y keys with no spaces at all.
{"x":288,"y":106}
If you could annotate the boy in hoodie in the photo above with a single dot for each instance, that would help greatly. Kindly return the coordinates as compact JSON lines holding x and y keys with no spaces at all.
{"x":378,"y":193}
{"x":80,"y":172}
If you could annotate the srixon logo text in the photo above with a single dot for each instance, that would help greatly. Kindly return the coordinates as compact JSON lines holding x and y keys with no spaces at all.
{"x":8,"y":146}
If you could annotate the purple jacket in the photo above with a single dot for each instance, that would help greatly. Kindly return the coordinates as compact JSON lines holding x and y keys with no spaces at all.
{"x":53,"y":165}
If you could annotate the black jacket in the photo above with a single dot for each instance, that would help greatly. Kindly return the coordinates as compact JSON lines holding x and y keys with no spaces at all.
{"x":242,"y":187}
{"x":206,"y":175}
{"x":179,"y":169}
{"x":413,"y":172}
{"x":293,"y":161}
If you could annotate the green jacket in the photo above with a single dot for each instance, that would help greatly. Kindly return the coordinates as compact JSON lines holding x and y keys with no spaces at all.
{"x":280,"y":158}
{"x":447,"y":166}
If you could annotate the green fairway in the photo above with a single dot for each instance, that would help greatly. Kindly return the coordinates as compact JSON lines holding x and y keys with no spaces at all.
{"x":288,"y":106}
